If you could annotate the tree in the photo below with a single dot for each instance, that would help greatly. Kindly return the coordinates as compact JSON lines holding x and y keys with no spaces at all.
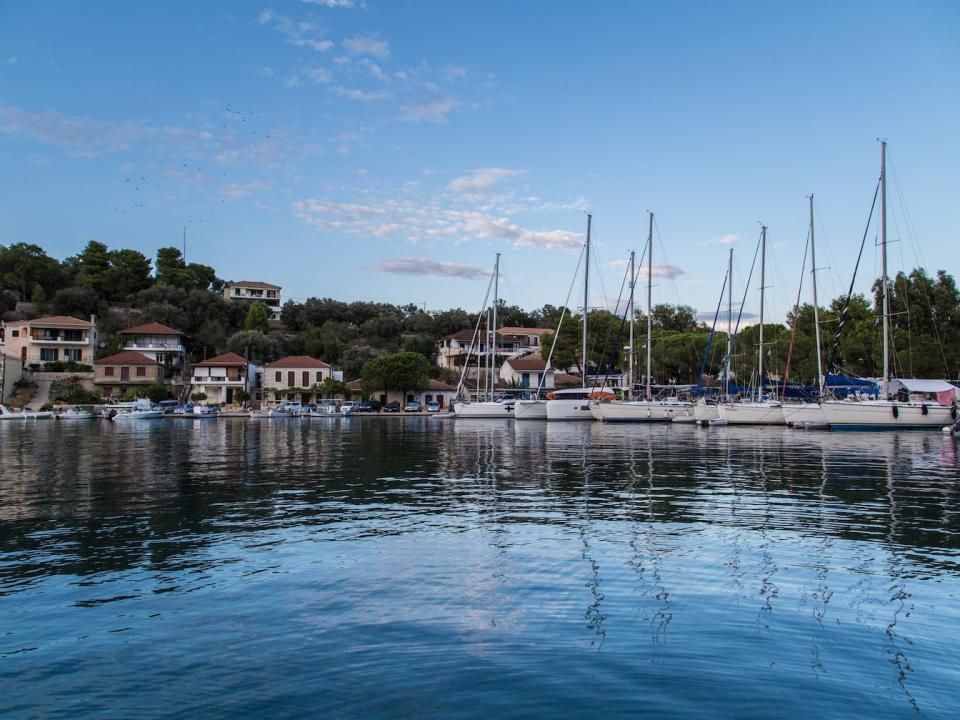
{"x":198,"y":397}
{"x":566,"y":354}
{"x":255,"y":346}
{"x":404,"y":371}
{"x":354,"y":358}
{"x":23,"y":265}
{"x":241,"y":397}
{"x":257,"y":319}
{"x":38,"y":298}
{"x":330,"y":388}
{"x":79,"y":302}
{"x":129,"y":274}
{"x":94,"y":264}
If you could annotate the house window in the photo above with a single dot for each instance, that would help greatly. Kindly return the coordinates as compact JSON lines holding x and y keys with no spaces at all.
{"x":14,"y":333}
{"x":291,"y":378}
{"x":73,"y":354}
{"x":73,"y":335}
{"x":278,"y":376}
{"x":141,"y":371}
{"x":319,"y":376}
{"x":236,"y":292}
{"x":306,"y":378}
{"x":48,"y":354}
{"x":108,"y":371}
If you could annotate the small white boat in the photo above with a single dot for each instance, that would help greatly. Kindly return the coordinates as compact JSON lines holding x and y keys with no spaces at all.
{"x":205,"y":412}
{"x":530,"y":410}
{"x":574,"y":403}
{"x":138,"y":410}
{"x":76,"y":414}
{"x":448,"y":415}
{"x":24,"y":414}
{"x":704,"y":412}
{"x":262,"y":414}
{"x":492,"y":409}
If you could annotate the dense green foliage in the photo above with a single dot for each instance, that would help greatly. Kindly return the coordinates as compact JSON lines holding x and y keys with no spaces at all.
{"x":123,"y":287}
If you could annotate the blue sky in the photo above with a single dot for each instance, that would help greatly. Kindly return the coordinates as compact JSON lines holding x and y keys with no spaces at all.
{"x":386,"y":150}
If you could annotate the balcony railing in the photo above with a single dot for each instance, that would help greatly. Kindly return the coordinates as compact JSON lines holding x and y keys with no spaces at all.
{"x":217,"y":380}
{"x":158,"y":347}
{"x":58,"y":341}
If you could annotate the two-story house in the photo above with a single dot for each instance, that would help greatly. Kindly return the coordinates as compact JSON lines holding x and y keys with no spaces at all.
{"x":127,"y":369}
{"x":51,"y":339}
{"x":511,"y":341}
{"x":262,"y":292}
{"x":526,"y":371}
{"x":159,"y":342}
{"x":296,"y":371}
{"x":220,"y":377}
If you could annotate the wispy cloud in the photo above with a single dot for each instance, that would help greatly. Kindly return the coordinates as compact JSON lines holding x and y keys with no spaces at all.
{"x":433,"y":110}
{"x":301,"y":33}
{"x":424,"y":266}
{"x":367,"y":45}
{"x":361,"y":95}
{"x":332,"y":4}
{"x":240,"y":190}
{"x":729,"y":239}
{"x":667,"y":271}
{"x":482,"y":179}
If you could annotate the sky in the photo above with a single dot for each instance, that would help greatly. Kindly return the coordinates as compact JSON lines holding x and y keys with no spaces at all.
{"x":385,"y":151}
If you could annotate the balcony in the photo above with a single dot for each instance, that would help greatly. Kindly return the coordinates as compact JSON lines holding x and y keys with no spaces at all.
{"x":217,"y":380}
{"x":139,"y":346}
{"x":49,"y":340}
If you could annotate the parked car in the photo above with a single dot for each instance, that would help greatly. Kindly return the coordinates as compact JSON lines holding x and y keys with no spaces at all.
{"x":412,"y":406}
{"x":370,"y":406}
{"x":350,"y":406}
{"x":392,"y":407}
{"x":433,"y":406}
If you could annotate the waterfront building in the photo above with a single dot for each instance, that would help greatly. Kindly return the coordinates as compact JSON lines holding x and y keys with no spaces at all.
{"x":452,"y":351}
{"x":159,"y":342}
{"x":51,"y":339}
{"x":285,"y":378}
{"x":436,"y":391}
{"x":221,"y":377}
{"x":126,"y":370}
{"x":526,"y":371}
{"x":262,"y":292}
{"x":11,"y":370}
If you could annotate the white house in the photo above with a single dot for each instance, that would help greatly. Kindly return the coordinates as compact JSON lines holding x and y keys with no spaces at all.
{"x":435,"y":391}
{"x":511,"y":342}
{"x":220,"y":377}
{"x":262,"y":292}
{"x":156,"y":341}
{"x":295,"y":372}
{"x":526,"y":371}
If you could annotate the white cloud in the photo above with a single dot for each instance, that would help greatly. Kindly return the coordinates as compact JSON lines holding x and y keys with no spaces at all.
{"x":332,"y":4}
{"x":667,"y":271}
{"x":729,"y":239}
{"x":365,"y":45}
{"x":433,"y":110}
{"x":482,"y":179}
{"x":425,"y":266}
{"x":301,"y":33}
{"x":239,"y":190}
{"x":319,"y":74}
{"x":361,"y":95}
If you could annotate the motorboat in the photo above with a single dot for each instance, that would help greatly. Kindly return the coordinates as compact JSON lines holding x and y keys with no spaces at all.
{"x":77,"y":413}
{"x":205,"y":412}
{"x":575,"y":403}
{"x":138,"y":410}
{"x":24,"y":414}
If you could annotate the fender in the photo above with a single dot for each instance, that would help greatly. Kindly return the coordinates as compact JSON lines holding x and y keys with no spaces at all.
{"x":896,"y":411}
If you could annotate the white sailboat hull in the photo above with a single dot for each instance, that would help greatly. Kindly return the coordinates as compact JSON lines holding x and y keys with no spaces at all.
{"x":530,"y":410}
{"x":490,"y":410}
{"x":641,"y":411}
{"x":752,"y":413}
{"x":704,"y":413}
{"x":569,"y":409}
{"x":804,"y":415}
{"x":879,"y":415}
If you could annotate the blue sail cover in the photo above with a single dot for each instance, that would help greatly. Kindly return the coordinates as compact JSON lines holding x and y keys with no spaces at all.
{"x":843,"y":385}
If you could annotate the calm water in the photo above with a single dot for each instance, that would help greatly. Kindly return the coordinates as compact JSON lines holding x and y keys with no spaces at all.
{"x":367,"y":568}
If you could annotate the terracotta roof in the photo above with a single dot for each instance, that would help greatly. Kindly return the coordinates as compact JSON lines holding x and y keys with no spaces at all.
{"x":524,"y":331}
{"x":153,"y":328}
{"x":533,"y":361}
{"x":227,"y":359}
{"x":254,"y":284}
{"x":54,"y":321}
{"x":297,"y":361}
{"x":127,"y":357}
{"x":566,"y":379}
{"x":462,"y":335}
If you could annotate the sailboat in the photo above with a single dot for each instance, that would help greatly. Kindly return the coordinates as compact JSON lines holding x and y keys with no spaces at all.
{"x":809,"y":414}
{"x":489,"y":408}
{"x":760,"y":411}
{"x":574,"y":403}
{"x":886,"y":413}
{"x":704,"y":411}
{"x":648,"y":409}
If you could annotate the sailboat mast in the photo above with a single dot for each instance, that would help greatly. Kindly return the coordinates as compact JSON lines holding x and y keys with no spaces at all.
{"x":763,"y":283}
{"x":885,"y":387}
{"x":633,"y":283}
{"x":816,"y":304}
{"x":586,"y":302}
{"x":650,"y":308}
{"x":493,"y":344}
{"x":726,"y":380}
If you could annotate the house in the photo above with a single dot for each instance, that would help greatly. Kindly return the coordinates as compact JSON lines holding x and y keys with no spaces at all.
{"x":435,"y":391}
{"x":51,"y":339}
{"x":262,"y":292}
{"x":526,"y":371}
{"x":511,"y":341}
{"x":221,"y":377}
{"x":158,"y":342}
{"x":126,"y":370}
{"x":281,"y":379}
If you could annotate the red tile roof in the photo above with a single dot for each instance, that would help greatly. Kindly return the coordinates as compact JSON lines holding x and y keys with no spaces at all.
{"x":506,"y":330}
{"x":256,"y":284}
{"x":297,"y":361}
{"x":127,"y":357}
{"x":463,"y":335}
{"x":533,"y":361}
{"x":153,"y":328}
{"x":54,"y":321}
{"x":226,"y":360}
